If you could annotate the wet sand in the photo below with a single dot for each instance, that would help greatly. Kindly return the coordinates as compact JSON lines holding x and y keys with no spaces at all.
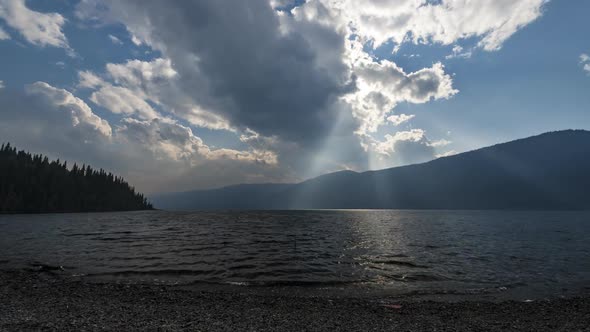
{"x":47,"y":301}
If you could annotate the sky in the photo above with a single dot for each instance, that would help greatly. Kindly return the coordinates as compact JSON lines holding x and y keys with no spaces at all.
{"x":196,"y":94}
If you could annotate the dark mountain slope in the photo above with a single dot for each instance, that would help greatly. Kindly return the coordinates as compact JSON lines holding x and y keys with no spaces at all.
{"x":549,"y":171}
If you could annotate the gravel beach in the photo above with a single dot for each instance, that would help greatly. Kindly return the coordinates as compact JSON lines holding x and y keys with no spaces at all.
{"x":45,"y":301}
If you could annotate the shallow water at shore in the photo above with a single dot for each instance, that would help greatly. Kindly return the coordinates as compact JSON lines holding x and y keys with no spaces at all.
{"x":527,"y":254}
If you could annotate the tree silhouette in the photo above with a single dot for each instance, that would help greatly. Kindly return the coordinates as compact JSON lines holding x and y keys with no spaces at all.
{"x":33,"y":184}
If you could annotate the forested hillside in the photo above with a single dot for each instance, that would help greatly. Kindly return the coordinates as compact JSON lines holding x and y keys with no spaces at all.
{"x":33,"y":184}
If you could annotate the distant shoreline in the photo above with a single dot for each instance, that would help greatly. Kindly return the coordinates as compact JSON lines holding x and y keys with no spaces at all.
{"x":70,"y":212}
{"x":44,"y":301}
{"x":293,"y":210}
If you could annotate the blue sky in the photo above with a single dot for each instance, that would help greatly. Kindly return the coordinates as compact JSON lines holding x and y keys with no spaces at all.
{"x":532,"y":85}
{"x":202,"y":94}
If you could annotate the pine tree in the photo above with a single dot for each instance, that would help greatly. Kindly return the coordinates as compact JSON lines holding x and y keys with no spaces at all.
{"x":33,"y":184}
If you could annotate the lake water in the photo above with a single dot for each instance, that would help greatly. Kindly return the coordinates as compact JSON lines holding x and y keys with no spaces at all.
{"x":420,"y":252}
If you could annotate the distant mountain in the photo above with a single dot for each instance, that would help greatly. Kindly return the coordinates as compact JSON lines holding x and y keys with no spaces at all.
{"x":33,"y":184}
{"x":549,"y":171}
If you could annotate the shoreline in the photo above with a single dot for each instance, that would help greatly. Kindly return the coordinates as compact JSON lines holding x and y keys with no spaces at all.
{"x":46,"y":301}
{"x":73,"y":212}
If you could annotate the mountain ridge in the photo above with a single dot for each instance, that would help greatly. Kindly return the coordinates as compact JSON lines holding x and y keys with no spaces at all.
{"x":546,"y":171}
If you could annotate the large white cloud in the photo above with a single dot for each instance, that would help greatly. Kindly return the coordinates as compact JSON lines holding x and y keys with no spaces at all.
{"x":50,"y":120}
{"x":134,"y":86}
{"x":78,"y":111}
{"x":382,"y":85}
{"x":444,"y":21}
{"x":41,"y":29}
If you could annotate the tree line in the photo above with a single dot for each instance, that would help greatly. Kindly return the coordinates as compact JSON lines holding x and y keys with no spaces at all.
{"x":33,"y":184}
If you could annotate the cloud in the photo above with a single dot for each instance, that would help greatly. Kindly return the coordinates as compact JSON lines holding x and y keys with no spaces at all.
{"x":406,"y":147}
{"x":4,"y":35}
{"x":173,"y":158}
{"x":41,"y":29}
{"x":291,"y":79}
{"x":177,"y":142}
{"x":403,"y":147}
{"x":50,"y":120}
{"x":1,"y":84}
{"x":152,"y":154}
{"x":136,"y":72}
{"x":79,"y":112}
{"x":202,"y":118}
{"x":117,"y":99}
{"x":383,"y":85}
{"x":458,"y":52}
{"x":399,"y":119}
{"x":440,"y":143}
{"x":279,"y":4}
{"x":123,"y":101}
{"x":87,"y":79}
{"x":233,"y":60}
{"x":135,"y":85}
{"x":115,"y":40}
{"x":423,"y":21}
{"x":446,"y":154}
{"x":585,"y":62}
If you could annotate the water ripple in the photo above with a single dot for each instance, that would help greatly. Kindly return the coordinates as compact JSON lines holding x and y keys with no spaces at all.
{"x":458,"y":251}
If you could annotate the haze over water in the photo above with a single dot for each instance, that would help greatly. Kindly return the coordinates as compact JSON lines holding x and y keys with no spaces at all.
{"x":427,"y":252}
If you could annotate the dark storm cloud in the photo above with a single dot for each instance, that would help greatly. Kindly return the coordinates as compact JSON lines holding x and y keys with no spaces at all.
{"x":232,"y":57}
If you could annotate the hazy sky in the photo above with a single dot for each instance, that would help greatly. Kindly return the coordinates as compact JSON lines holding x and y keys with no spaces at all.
{"x":179,"y":95}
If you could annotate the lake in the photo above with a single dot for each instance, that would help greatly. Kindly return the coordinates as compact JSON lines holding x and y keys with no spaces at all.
{"x":524,"y":254}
